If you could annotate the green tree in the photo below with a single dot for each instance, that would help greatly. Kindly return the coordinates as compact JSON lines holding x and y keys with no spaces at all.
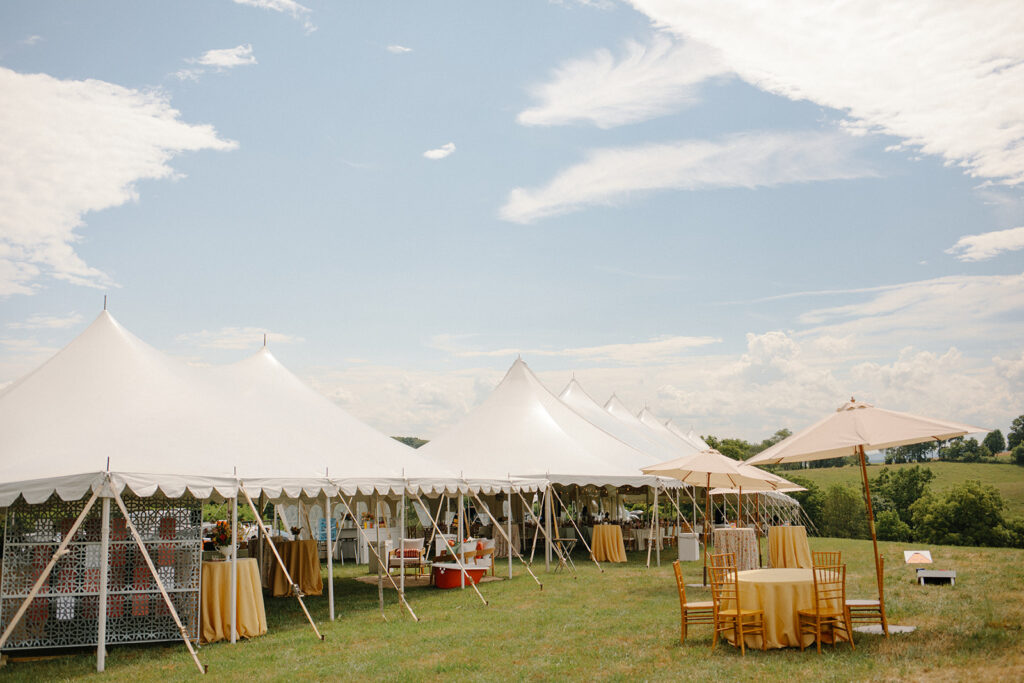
{"x":896,"y":490}
{"x":843,"y":514}
{"x":810,"y":500}
{"x":994,"y":442}
{"x":1016,"y":433}
{"x":412,"y":441}
{"x":964,"y":450}
{"x":1017,"y":454}
{"x":889,"y":527}
{"x":916,"y":452}
{"x":968,"y":514}
{"x":773,"y":439}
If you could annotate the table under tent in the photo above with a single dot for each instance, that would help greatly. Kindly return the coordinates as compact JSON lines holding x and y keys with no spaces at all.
{"x":108,"y":450}
{"x":524,"y":429}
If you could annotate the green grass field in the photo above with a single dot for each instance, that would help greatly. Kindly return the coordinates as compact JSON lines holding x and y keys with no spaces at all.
{"x":622,"y":624}
{"x":1007,"y":478}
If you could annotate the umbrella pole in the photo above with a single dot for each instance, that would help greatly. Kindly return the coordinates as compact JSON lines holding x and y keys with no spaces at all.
{"x":871,"y":515}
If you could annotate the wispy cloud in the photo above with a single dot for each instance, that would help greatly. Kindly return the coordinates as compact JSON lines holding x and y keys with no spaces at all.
{"x":636,"y":353}
{"x":398,"y":49}
{"x":235,"y":338}
{"x":644,"y":82}
{"x":749,"y":160}
{"x":946,"y":78}
{"x":988,"y":244}
{"x":290,"y":7}
{"x":441,"y":152}
{"x":220,"y":60}
{"x":30,"y":40}
{"x":72,"y":147}
{"x":47,"y":322}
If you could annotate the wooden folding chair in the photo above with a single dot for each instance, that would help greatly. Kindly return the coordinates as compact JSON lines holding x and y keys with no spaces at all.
{"x":728,"y":615}
{"x":702,"y":612}
{"x":827,"y":558}
{"x":871,"y":611}
{"x":829,"y":606}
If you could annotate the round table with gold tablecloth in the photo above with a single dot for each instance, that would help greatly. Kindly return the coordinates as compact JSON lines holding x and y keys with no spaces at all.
{"x":740,"y":542}
{"x":607,"y":545}
{"x":215,"y":601}
{"x":788,"y":548}
{"x":780,"y":593}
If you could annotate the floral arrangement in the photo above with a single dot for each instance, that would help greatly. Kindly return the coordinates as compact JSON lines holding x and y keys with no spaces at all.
{"x":222,"y":534}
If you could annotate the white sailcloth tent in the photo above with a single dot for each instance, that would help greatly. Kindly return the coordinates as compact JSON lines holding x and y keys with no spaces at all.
{"x":651,"y":427}
{"x":523,"y":429}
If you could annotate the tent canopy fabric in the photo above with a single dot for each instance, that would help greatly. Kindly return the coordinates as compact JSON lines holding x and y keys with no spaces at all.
{"x":110,"y":403}
{"x":689,"y":435}
{"x":523,"y":429}
{"x":856,"y":424}
{"x":615,"y":407}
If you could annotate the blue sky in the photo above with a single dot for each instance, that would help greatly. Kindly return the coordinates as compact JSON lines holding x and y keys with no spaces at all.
{"x":737,"y":216}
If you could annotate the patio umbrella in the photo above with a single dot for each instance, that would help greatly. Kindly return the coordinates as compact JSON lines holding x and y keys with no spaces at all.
{"x":854,"y":428}
{"x":710,"y":469}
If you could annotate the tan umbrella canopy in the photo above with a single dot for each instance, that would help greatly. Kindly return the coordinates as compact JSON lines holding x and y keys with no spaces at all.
{"x":854,"y":428}
{"x":710,"y":469}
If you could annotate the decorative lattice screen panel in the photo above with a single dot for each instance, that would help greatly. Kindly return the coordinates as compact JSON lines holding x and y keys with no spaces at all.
{"x":65,"y":611}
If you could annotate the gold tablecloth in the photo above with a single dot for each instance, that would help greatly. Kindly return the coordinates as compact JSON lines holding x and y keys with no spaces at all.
{"x":215,"y":601}
{"x":303,"y":562}
{"x":607,"y":544}
{"x":788,"y":548}
{"x":742,"y":542}
{"x":500,"y":546}
{"x":780,"y":593}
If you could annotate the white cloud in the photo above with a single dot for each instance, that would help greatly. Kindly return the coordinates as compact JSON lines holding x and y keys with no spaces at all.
{"x":31,"y":40}
{"x":646,"y":81}
{"x":228,"y":57}
{"x":398,"y":49}
{"x":71,"y":147}
{"x":655,"y":350}
{"x":47,"y":322}
{"x":988,"y":244}
{"x":236,"y":338}
{"x":441,"y":152}
{"x":297,"y":11}
{"x":947,"y":78}
{"x":749,"y":160}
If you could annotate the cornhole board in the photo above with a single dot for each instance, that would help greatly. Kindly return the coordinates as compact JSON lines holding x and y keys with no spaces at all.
{"x":936,"y":576}
{"x":917,"y":556}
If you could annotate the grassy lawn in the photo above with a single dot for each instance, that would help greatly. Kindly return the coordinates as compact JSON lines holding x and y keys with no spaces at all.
{"x":1007,"y":478}
{"x":622,"y":624}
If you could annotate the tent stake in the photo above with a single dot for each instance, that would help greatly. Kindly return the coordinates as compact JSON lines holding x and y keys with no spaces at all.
{"x":280,"y":562}
{"x":156,"y":577}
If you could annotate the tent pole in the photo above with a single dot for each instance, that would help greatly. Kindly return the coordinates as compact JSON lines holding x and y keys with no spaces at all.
{"x":401,"y":549}
{"x":757,"y":527}
{"x":580,"y":534}
{"x":330,"y":557}
{"x":707,"y":530}
{"x":508,"y":536}
{"x":159,"y":584}
{"x":657,"y":530}
{"x":650,"y":535}
{"x":101,"y":640}
{"x":509,"y":539}
{"x":234,"y":570}
{"x":362,"y":532}
{"x":460,"y":517}
{"x":61,"y":550}
{"x":871,"y":517}
{"x":280,"y":562}
{"x":454,"y":554}
{"x":549,"y":507}
{"x":376,"y":528}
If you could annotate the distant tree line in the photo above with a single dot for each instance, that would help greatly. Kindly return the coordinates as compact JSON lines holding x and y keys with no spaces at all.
{"x":964,"y":450}
{"x":413,"y":441}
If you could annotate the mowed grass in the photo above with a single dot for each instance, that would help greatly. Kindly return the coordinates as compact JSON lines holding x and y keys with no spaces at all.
{"x":1007,"y":478}
{"x":622,"y":624}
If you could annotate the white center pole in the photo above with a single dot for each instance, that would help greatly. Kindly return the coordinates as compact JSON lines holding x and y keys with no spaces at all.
{"x":460,"y":517}
{"x":234,"y":569}
{"x":547,"y":531}
{"x":101,"y":639}
{"x":401,"y":548}
{"x":657,"y":517}
{"x":509,"y":532}
{"x":330,"y":557}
